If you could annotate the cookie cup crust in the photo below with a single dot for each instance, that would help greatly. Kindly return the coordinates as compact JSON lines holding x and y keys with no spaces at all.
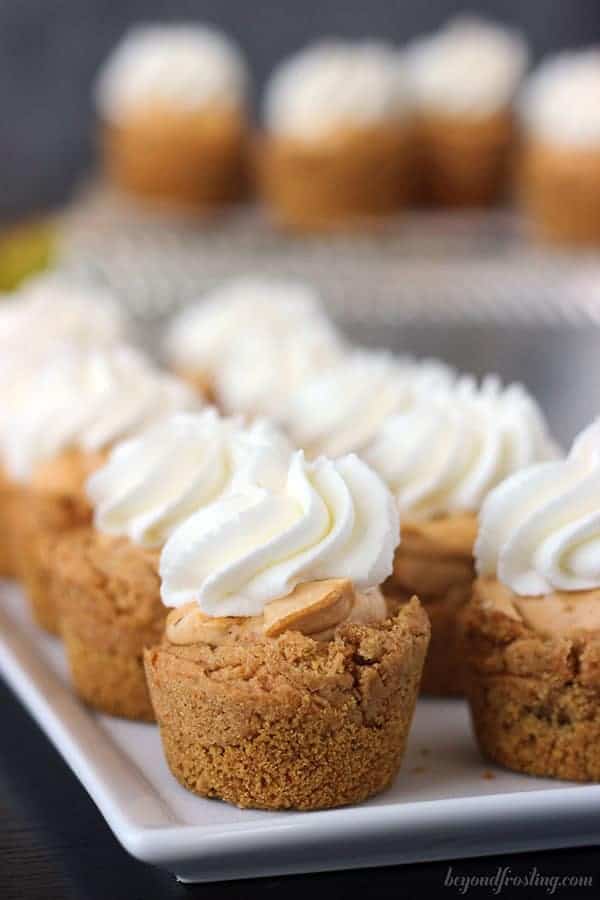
{"x":464,"y":161}
{"x":435,"y":561}
{"x":12,"y":510}
{"x":110,"y":610}
{"x":534,"y":694}
{"x":187,"y":160}
{"x":55,"y":503}
{"x":560,"y":191}
{"x":289,"y":722}
{"x":352,"y":178}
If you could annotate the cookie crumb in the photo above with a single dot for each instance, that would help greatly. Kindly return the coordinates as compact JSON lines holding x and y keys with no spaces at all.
{"x":489,"y":776}
{"x":418,"y":770}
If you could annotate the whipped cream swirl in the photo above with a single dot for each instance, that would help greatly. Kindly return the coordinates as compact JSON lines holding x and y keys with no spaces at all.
{"x":334,"y":85}
{"x":285,"y":521}
{"x":50,"y":309}
{"x":87,"y":398}
{"x":46,"y":316}
{"x":154,"y":481}
{"x":258,"y":339}
{"x":560,"y":101}
{"x":470,"y":67}
{"x":540,"y":529}
{"x":340,"y":410}
{"x":185,"y":66}
{"x":445,"y":454}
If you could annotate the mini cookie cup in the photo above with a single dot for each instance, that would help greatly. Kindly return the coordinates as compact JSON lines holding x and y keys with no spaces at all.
{"x":435,"y":562}
{"x":465,"y":161}
{"x":559,"y":190}
{"x":533,"y":680}
{"x":289,"y":722}
{"x":110,"y":610}
{"x":55,"y":504}
{"x":190,"y":160}
{"x":353,"y":178}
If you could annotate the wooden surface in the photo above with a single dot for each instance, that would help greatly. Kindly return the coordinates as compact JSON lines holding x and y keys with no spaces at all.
{"x":54,"y":845}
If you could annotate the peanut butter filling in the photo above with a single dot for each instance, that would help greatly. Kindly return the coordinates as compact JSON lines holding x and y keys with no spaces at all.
{"x":315,"y":609}
{"x":563,"y":613}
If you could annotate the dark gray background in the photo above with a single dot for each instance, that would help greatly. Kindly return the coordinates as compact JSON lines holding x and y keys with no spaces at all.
{"x":50,"y":49}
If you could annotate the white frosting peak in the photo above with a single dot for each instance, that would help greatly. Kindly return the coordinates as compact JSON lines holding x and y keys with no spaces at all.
{"x":560,"y":102}
{"x":87,"y":398}
{"x":258,"y":339}
{"x":341,"y":409}
{"x":447,"y":452}
{"x":540,"y":529}
{"x":334,"y":85}
{"x":45,"y":317}
{"x":285,"y":521}
{"x":51,"y":308}
{"x":155,"y":480}
{"x":470,"y":67}
{"x":187,"y":66}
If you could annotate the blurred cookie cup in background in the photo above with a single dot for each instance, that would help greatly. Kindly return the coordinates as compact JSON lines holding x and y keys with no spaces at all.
{"x":171,"y":102}
{"x":440,"y":459}
{"x":341,"y":409}
{"x":532,"y":635}
{"x":45,"y":316}
{"x":249,"y":342}
{"x":109,"y":605}
{"x":282,"y":659}
{"x":560,"y":167}
{"x":464,"y":79}
{"x":80,"y":402}
{"x":336,"y":146}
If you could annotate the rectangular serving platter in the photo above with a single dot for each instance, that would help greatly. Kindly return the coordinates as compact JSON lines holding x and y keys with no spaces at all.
{"x":445,"y":804}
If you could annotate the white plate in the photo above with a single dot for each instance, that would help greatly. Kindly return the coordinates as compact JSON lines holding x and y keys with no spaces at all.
{"x":446,"y":803}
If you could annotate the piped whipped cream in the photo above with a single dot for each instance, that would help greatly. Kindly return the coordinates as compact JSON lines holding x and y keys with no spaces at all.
{"x":48,"y":314}
{"x":540,"y":529}
{"x":185,"y":66}
{"x":560,"y":100}
{"x":444,"y":455}
{"x":87,"y":398}
{"x":470,"y":67}
{"x":50,"y":309}
{"x":258,"y":339}
{"x":340,"y":410}
{"x":157,"y":479}
{"x":285,"y":522}
{"x":334,"y":85}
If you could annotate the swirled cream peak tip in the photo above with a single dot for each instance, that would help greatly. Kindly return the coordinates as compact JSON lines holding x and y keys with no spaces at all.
{"x":540,"y":529}
{"x":87,"y":398}
{"x":559,"y":104}
{"x":159,"y":478}
{"x":446,"y":452}
{"x":256,"y":339}
{"x":286,"y":521}
{"x":471,"y":67}
{"x":334,"y":85}
{"x":184,"y":65}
